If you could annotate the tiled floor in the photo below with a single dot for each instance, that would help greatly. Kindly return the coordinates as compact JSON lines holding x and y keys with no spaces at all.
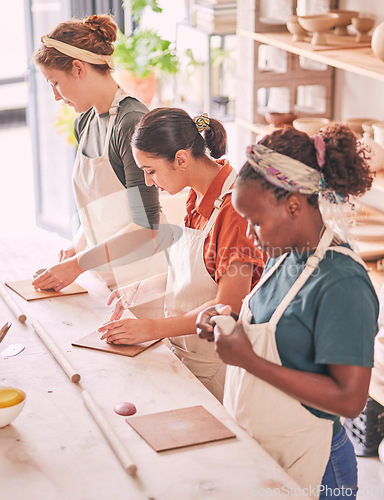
{"x":17,"y":209}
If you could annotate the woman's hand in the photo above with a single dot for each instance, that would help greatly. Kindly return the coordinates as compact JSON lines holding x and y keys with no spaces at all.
{"x":67,"y":254}
{"x":127,"y":331}
{"x":125,"y":298}
{"x":235,"y":349}
{"x":137,"y":294}
{"x":203,"y":321}
{"x":59,"y":276}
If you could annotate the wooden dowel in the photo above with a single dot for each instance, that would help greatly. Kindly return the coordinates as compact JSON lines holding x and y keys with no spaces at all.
{"x":12,"y":305}
{"x":55,"y":351}
{"x":109,"y":433}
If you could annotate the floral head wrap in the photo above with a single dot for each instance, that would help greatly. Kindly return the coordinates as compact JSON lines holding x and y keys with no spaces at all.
{"x":292,"y":175}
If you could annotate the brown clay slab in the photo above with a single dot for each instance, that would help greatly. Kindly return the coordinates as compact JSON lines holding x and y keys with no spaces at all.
{"x":179,"y":428}
{"x":92,"y":341}
{"x":25,"y":289}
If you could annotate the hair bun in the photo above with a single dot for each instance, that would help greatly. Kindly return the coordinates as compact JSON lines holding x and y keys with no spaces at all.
{"x":103,"y":25}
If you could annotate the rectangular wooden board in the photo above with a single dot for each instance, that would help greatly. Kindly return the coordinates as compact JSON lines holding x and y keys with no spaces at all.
{"x":92,"y":341}
{"x":25,"y":289}
{"x":179,"y":428}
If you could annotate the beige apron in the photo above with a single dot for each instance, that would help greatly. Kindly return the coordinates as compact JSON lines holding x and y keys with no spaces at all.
{"x":189,"y":286}
{"x":298,"y":440}
{"x":103,"y":208}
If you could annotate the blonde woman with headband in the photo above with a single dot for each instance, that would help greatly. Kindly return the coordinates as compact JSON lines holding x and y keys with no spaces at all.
{"x":301,"y":354}
{"x":212,"y":262}
{"x":111,"y":196}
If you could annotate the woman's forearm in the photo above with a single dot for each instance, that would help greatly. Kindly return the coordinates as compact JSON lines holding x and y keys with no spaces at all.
{"x":343,"y":392}
{"x":131,"y":244}
{"x":233,"y":286}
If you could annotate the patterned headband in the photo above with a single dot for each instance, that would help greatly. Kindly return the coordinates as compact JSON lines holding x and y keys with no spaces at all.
{"x":76,"y":52}
{"x":202,"y":122}
{"x":289,"y":174}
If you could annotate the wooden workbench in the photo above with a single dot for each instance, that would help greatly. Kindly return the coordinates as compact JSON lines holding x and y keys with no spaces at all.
{"x":54,"y":450}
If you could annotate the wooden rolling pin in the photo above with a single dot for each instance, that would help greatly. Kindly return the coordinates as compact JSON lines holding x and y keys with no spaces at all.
{"x":109,"y":434}
{"x":12,"y":305}
{"x":55,"y":351}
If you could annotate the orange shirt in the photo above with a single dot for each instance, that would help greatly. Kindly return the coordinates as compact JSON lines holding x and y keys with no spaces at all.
{"x":227,"y":241}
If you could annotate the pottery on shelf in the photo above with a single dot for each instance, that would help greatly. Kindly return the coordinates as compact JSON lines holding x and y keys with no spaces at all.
{"x":345,"y":18}
{"x":318,"y":24}
{"x":310,"y":124}
{"x":280,"y":120}
{"x":375,"y":153}
{"x":378,"y":133}
{"x":295,"y":28}
{"x":362,"y":25}
{"x":356,"y":124}
{"x":367,"y":128}
{"x":377,"y":42}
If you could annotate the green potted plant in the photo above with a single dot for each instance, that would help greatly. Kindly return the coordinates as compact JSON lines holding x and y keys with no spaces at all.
{"x":140,"y":57}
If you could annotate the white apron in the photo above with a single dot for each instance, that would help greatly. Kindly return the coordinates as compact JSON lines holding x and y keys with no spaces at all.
{"x":298,"y":440}
{"x":189,"y":286}
{"x":103,"y":208}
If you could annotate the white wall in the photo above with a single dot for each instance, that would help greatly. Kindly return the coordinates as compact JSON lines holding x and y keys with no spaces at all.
{"x":357,"y":96}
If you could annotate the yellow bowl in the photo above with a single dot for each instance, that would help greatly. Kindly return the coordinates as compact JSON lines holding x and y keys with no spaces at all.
{"x":12,"y":401}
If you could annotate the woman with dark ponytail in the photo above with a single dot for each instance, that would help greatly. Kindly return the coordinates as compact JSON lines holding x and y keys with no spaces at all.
{"x":113,"y":202}
{"x":212,"y":262}
{"x":301,"y":354}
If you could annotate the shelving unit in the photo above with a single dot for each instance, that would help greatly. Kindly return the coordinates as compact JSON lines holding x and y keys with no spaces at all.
{"x":356,"y":60}
{"x":359,"y":60}
{"x":263,"y":82}
{"x":187,"y":36}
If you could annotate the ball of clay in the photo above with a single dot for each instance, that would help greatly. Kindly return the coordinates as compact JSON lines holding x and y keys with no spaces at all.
{"x":126,"y":409}
{"x":225,"y":323}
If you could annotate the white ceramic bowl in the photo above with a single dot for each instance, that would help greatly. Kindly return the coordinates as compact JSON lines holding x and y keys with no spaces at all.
{"x":310,"y":125}
{"x":356,"y":124}
{"x":295,"y":28}
{"x":378,"y":133}
{"x":9,"y":413}
{"x":367,"y":127}
{"x":345,"y":18}
{"x":318,"y":24}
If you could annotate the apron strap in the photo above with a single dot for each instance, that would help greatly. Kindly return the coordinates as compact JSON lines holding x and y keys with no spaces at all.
{"x":350,"y":253}
{"x":113,"y":110}
{"x":311,"y":264}
{"x":245,"y":310}
{"x":220,"y":200}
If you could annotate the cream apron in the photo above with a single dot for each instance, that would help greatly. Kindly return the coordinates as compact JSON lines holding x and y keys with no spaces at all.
{"x":298,"y":440}
{"x":189,"y":286}
{"x":103,"y":208}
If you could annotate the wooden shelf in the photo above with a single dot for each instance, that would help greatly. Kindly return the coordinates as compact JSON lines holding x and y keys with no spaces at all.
{"x":256,"y":128}
{"x":360,"y":60}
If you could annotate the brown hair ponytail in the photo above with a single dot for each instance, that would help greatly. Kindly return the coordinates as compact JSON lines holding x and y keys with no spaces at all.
{"x":164,"y":131}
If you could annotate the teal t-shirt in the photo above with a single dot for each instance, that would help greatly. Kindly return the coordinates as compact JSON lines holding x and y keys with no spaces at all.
{"x":332,"y":319}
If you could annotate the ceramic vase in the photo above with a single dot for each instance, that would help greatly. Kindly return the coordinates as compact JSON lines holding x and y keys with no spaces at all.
{"x":377,"y":42}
